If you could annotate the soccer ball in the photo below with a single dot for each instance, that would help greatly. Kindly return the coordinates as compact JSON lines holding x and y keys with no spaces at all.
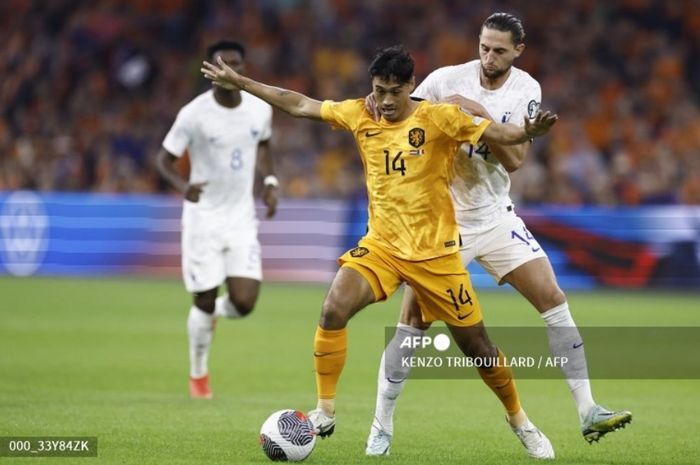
{"x":287,"y":435}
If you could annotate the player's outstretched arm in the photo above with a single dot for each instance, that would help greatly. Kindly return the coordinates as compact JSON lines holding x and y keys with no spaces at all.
{"x":510,"y":134}
{"x":291,"y":102}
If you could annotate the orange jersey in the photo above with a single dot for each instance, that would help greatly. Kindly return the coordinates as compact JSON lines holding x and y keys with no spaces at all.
{"x":408,"y":169}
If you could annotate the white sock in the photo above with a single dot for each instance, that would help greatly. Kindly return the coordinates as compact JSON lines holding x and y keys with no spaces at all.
{"x":392,"y":376}
{"x":200,"y":330}
{"x":225,"y":308}
{"x":565,"y":341}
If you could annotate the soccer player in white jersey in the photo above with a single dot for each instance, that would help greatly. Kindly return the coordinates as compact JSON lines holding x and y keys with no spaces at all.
{"x":224,"y":133}
{"x":491,"y":231}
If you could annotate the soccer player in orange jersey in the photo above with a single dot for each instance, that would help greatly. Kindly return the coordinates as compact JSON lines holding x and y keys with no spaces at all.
{"x":413,"y":235}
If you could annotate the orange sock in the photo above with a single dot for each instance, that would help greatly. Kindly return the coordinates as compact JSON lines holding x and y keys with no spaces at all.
{"x":500,"y":380}
{"x":330,"y":350}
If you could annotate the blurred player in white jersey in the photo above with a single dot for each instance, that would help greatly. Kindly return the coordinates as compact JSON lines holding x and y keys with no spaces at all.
{"x":491,"y":231}
{"x":224,"y":132}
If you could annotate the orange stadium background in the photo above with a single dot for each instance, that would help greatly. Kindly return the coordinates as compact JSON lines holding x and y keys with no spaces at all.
{"x":90,"y":88}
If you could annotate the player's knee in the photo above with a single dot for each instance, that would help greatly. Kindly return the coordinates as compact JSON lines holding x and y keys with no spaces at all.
{"x":244,"y":304}
{"x":333,"y":314}
{"x":483,"y":350}
{"x":479,"y":347}
{"x":205,"y":304}
{"x":553,"y":297}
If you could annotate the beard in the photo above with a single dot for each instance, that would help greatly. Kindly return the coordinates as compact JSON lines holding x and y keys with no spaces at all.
{"x":493,"y":73}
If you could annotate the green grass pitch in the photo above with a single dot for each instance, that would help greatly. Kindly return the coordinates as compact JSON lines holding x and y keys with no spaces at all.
{"x":108,"y":358}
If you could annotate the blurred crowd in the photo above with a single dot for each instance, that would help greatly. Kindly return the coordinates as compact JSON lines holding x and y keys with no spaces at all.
{"x":88,"y":89}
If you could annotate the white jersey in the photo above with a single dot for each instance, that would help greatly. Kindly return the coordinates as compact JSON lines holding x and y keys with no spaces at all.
{"x":481,"y":186}
{"x":222,"y":144}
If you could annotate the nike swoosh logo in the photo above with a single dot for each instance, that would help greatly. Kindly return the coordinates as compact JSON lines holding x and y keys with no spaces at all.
{"x":463,"y":317}
{"x":576,"y":346}
{"x":396,"y":381}
{"x":321,"y":354}
{"x":372,"y":134}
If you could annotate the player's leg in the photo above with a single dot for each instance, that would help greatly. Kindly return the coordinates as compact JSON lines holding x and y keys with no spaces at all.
{"x":445,"y":293}
{"x":203,"y":272}
{"x":349,"y":293}
{"x":543,"y":292}
{"x":243,"y":276}
{"x":239,"y":301}
{"x":475,"y":343}
{"x":536,"y":281}
{"x":200,"y":332}
{"x":392,"y":375}
{"x":366,"y":276}
{"x":511,"y":254}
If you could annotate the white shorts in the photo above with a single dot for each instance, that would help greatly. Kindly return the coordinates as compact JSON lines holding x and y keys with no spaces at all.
{"x":502,"y":248}
{"x":209,"y":257}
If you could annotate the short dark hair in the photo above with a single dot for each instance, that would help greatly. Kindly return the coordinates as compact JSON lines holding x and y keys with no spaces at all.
{"x":392,"y":62}
{"x":506,"y":22}
{"x":225,"y":45}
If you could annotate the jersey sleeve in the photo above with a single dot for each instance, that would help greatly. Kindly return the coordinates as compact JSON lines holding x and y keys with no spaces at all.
{"x":529,"y":105}
{"x":428,"y":89}
{"x":180,"y":135}
{"x":458,"y":124}
{"x":345,"y":114}
{"x":425,"y":89}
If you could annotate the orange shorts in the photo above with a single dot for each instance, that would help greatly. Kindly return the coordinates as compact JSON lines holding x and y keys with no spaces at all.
{"x":442,"y":285}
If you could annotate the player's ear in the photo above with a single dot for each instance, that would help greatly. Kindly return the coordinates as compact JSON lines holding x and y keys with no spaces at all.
{"x":519,"y":49}
{"x":412,"y":84}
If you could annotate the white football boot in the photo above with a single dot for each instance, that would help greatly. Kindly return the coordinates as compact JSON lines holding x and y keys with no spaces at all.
{"x":378,"y":442}
{"x":322,"y":423}
{"x":534,"y":440}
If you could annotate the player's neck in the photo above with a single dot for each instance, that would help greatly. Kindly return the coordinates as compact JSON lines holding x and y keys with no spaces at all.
{"x":494,"y":83}
{"x":227,"y":98}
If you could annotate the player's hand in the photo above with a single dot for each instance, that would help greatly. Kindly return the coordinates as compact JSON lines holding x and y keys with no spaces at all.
{"x":270,"y":199}
{"x":194,"y":190}
{"x":472,"y":106}
{"x":371,"y":107}
{"x":541,"y":124}
{"x":221,"y":74}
